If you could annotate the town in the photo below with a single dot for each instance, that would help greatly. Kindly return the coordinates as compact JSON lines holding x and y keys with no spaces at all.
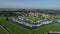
{"x":29,"y":19}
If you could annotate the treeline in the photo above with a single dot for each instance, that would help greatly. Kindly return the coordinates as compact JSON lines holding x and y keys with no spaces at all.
{"x":12,"y":13}
{"x":7,"y":13}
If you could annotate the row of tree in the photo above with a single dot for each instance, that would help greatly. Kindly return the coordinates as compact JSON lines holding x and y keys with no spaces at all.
{"x":11,"y":13}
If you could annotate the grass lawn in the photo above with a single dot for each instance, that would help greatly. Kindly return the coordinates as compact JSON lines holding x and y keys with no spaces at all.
{"x":56,"y":17}
{"x":17,"y":29}
{"x":34,"y":19}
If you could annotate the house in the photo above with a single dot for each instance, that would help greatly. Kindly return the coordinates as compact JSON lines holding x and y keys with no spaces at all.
{"x":46,"y":16}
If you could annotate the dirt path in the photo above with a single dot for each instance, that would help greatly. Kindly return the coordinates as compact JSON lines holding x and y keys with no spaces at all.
{"x":5,"y":29}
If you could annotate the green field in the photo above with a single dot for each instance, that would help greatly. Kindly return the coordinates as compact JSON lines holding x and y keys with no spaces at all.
{"x":17,"y":29}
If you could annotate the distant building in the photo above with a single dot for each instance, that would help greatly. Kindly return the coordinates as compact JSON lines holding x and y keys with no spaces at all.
{"x":33,"y":14}
{"x":46,"y":16}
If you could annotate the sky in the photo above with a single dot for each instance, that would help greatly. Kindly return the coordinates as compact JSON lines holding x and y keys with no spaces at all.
{"x":44,"y":4}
